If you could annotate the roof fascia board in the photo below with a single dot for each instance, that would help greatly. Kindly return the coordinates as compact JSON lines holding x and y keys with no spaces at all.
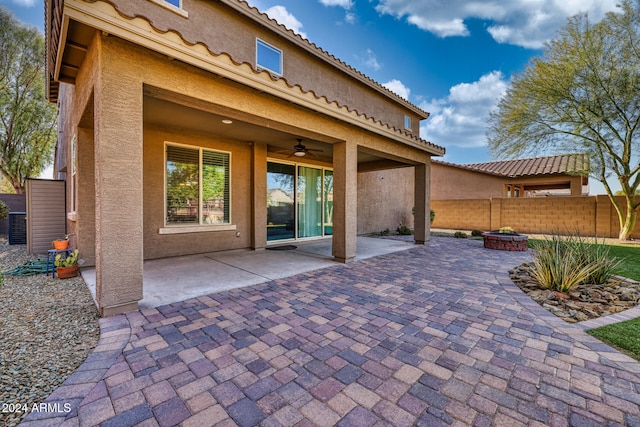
{"x":104,"y":17}
{"x":47,"y":43}
{"x":64,"y":28}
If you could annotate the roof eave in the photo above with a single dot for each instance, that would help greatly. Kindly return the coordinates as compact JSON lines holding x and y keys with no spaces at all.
{"x":242,"y":7}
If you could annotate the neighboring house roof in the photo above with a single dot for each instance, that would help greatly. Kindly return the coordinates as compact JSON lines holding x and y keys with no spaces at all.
{"x":568,"y":164}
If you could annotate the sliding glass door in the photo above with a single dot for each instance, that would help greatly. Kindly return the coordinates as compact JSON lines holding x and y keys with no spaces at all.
{"x":309,"y":198}
{"x":328,"y":202}
{"x":299,"y":201}
{"x":280,"y":196}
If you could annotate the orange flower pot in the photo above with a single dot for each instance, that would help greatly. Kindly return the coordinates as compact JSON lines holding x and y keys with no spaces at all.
{"x":67,"y":272}
{"x":61,"y":244}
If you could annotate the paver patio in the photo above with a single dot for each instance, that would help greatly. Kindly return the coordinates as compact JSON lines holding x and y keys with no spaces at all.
{"x":435,"y":335}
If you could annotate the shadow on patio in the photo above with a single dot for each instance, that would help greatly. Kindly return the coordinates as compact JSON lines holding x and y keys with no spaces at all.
{"x":170,"y":280}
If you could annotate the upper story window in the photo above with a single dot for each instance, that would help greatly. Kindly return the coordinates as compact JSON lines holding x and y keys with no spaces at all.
{"x":268,"y":57}
{"x":407,"y":122}
{"x":173,"y":5}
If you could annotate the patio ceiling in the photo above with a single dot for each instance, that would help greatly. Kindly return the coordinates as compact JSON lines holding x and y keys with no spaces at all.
{"x":164,"y":114}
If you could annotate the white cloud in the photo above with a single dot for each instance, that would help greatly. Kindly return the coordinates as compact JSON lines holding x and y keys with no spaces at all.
{"x":282,"y":16}
{"x":460,"y":118}
{"x":349,"y":17}
{"x":346,"y":4}
{"x":25,"y":3}
{"x":527,"y":23}
{"x":398,"y":87}
{"x":369,"y":60}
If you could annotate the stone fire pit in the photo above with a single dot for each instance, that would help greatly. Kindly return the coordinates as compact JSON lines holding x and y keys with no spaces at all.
{"x":505,"y":241}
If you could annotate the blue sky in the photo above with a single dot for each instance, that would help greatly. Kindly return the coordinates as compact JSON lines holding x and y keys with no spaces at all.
{"x":452,"y":58}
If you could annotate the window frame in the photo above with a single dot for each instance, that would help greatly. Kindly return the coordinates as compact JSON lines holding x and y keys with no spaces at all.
{"x":171,"y":228}
{"x":172,"y":7}
{"x":259,"y":42}
{"x":74,"y":178}
{"x":407,"y":122}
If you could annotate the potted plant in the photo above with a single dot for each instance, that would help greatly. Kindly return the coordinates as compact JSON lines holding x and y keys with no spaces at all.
{"x":61,"y":244}
{"x":67,"y":267}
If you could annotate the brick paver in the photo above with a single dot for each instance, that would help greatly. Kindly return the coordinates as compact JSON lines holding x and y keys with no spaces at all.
{"x":436,"y":335}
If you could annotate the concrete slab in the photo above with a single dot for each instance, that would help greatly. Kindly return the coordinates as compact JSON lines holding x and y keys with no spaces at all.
{"x":170,"y":280}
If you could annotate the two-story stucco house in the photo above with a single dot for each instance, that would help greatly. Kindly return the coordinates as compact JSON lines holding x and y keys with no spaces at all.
{"x":192,"y":126}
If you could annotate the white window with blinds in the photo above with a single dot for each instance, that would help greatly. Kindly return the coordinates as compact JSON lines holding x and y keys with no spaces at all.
{"x":197,"y":186}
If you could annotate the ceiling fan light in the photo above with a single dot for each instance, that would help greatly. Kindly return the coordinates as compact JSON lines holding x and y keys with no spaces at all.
{"x":299,"y":153}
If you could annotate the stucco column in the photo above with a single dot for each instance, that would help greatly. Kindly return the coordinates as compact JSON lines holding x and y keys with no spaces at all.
{"x":422,"y":191}
{"x":259,"y":222}
{"x":576,"y":186}
{"x":345,"y":201}
{"x":118,"y":183}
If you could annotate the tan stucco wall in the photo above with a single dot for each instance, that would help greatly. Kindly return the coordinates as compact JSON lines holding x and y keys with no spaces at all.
{"x":225,"y":31}
{"x":454,"y":183}
{"x":449,"y":183}
{"x":385,"y":199}
{"x":157,"y":245}
{"x":124,"y":190}
{"x":75,"y":117}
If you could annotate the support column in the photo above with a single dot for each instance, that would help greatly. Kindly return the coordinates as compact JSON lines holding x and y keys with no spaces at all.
{"x":576,"y":186}
{"x":422,"y":199}
{"x":119,"y":187}
{"x":345,"y":201}
{"x":495,"y":215}
{"x":259,"y":170}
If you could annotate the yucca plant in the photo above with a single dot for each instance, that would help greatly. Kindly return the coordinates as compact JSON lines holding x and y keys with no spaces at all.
{"x":598,"y":255}
{"x":556,"y":267}
{"x":560,"y":263}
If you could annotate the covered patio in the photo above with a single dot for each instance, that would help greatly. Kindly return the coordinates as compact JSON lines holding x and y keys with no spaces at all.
{"x":174,"y":279}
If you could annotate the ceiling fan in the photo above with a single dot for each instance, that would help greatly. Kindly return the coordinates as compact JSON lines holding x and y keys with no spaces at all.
{"x":300,"y":150}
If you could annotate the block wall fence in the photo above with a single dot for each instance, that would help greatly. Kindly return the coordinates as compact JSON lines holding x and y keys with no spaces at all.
{"x":590,"y":216}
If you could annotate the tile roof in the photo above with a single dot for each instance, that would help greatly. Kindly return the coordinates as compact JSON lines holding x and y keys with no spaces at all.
{"x":571,"y":164}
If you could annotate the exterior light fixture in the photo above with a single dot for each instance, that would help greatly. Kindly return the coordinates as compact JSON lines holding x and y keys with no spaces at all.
{"x":227,"y":121}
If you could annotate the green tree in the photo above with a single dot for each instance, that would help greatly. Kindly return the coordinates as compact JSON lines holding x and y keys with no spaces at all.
{"x":583,"y":95}
{"x":27,"y":120}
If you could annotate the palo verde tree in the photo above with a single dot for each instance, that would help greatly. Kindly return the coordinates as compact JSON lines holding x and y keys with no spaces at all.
{"x":582,"y":95}
{"x":27,"y":120}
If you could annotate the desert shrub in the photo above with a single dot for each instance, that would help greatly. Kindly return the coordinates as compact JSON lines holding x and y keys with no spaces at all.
{"x":476,"y":233}
{"x":432,"y":215}
{"x":385,"y":232}
{"x":560,"y":263}
{"x":403,"y":230}
{"x":4,"y":210}
{"x":460,"y":235}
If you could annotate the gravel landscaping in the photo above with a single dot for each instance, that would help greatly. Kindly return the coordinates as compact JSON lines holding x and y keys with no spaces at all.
{"x":48,"y":326}
{"x":583,"y":302}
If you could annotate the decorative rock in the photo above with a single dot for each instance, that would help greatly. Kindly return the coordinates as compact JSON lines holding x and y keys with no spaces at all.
{"x":583,"y":302}
{"x":48,"y":327}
